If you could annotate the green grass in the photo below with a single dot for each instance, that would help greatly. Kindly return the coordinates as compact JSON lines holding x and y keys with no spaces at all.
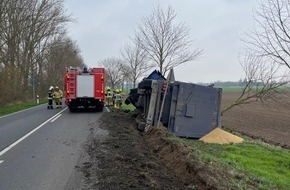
{"x":128,"y":107}
{"x":19,"y":106}
{"x":268,"y":165}
{"x":232,"y":89}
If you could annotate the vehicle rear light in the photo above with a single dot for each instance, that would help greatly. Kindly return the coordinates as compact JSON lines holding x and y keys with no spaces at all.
{"x":67,"y":76}
{"x":102,"y":78}
{"x":164,"y":86}
{"x":67,"y":92}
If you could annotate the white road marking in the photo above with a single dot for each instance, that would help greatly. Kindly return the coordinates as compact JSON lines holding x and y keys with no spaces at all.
{"x":108,"y":110}
{"x":28,"y":134}
{"x":55,"y":118}
{"x":1,"y":161}
{"x":56,"y":115}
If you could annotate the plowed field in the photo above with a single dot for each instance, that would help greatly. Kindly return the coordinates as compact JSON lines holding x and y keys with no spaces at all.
{"x":269,"y":121}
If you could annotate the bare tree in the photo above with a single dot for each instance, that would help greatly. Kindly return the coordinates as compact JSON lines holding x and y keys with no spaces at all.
{"x":61,"y":52}
{"x":269,"y":46}
{"x":114,"y":71}
{"x":26,"y":27}
{"x":263,"y":79}
{"x":270,"y":36}
{"x":166,"y":42}
{"x":136,"y":63}
{"x":47,"y":19}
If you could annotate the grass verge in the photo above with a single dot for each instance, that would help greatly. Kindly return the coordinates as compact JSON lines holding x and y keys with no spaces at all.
{"x":128,"y":107}
{"x":265,"y":165}
{"x":19,"y":106}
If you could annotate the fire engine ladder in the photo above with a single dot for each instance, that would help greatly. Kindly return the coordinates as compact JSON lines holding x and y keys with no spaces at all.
{"x":72,"y":85}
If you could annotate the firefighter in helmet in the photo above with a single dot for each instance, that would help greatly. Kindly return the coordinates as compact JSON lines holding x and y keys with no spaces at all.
{"x":50,"y":98}
{"x":109,"y":96}
{"x":122,"y":94}
{"x":118,"y":99}
{"x":58,"y":97}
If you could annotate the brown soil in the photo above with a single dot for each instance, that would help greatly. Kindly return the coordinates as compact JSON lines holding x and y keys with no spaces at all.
{"x":269,"y":122}
{"x":121,"y":157}
{"x":122,"y":160}
{"x":180,"y":160}
{"x":125,"y":158}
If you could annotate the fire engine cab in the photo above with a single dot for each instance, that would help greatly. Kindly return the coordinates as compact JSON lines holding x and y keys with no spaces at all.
{"x":84,"y":88}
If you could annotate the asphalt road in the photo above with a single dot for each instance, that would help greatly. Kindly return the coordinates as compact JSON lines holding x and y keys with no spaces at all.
{"x":40,"y":148}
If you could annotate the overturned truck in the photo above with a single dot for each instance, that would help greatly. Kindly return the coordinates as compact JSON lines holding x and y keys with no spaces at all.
{"x":186,"y":109}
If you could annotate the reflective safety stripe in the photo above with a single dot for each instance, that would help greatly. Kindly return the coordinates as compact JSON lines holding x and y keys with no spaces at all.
{"x":118,"y":97}
{"x":109,"y":94}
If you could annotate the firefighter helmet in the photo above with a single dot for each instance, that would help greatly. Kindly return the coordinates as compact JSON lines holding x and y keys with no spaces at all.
{"x":108,"y":88}
{"x":51,"y":88}
{"x":56,"y":87}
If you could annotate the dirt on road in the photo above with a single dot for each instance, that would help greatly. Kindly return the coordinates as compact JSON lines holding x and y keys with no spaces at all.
{"x":121,"y":157}
{"x":122,"y":160}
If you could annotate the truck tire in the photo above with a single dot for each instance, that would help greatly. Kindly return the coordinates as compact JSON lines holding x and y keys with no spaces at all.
{"x":99,"y":108}
{"x":72,"y":109}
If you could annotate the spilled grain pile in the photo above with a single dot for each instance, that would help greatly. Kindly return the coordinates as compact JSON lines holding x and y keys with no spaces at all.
{"x":220,"y":136}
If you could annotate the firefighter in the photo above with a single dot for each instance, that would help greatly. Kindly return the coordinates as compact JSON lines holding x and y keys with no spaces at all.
{"x":118,"y":99}
{"x":58,"y":97}
{"x":109,"y":96}
{"x":122,"y":94}
{"x":113,"y":97}
{"x":50,"y":98}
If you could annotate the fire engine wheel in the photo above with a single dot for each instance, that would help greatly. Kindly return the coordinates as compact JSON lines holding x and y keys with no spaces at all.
{"x":99,"y":108}
{"x":72,"y":109}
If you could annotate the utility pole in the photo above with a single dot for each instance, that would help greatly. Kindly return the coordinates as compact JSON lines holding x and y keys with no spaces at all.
{"x":33,"y":85}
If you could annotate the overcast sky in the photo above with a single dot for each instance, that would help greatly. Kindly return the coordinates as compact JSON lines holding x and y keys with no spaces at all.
{"x":102,"y":27}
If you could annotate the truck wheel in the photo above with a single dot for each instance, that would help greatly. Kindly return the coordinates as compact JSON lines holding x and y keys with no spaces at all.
{"x":72,"y":109}
{"x":99,"y":108}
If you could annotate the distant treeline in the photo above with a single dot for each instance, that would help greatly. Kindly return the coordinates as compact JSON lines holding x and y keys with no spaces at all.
{"x":224,"y":84}
{"x":240,"y":83}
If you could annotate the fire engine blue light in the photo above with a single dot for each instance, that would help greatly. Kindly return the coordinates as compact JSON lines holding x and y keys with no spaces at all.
{"x":85,"y":69}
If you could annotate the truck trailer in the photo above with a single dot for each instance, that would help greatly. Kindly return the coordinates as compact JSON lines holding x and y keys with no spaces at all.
{"x":84,"y":88}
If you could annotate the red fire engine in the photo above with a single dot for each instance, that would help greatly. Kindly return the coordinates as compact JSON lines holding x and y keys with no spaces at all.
{"x":84,"y":88}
